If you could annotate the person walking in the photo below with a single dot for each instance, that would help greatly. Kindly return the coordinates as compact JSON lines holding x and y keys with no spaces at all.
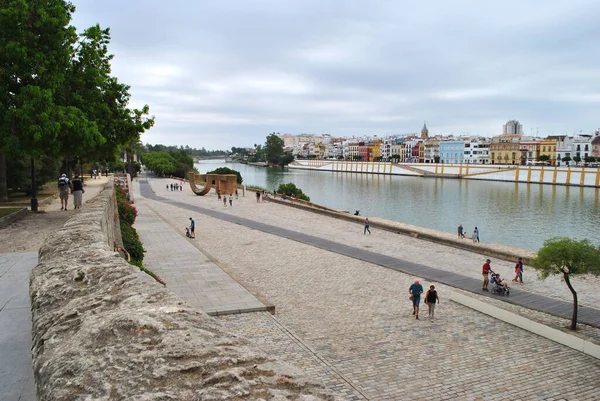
{"x":485,"y":271}
{"x":367,"y":226}
{"x":257,"y":196}
{"x":192,"y":228}
{"x":415,"y":291}
{"x":230,"y":199}
{"x":431,"y":296}
{"x":461,"y":233}
{"x":519,"y":271}
{"x":224,"y":200}
{"x":64,"y":185}
{"x":476,"y":233}
{"x":77,"y":191}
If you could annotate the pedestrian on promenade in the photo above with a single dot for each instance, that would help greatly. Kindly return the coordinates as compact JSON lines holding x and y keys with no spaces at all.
{"x":461,"y":233}
{"x":218,"y":195}
{"x":192,"y":228}
{"x":367,"y":226}
{"x":230,"y":200}
{"x":519,"y":271}
{"x":257,"y":196}
{"x":485,"y":271}
{"x":236,"y":194}
{"x":476,"y":233}
{"x":225,"y":200}
{"x":64,"y":185}
{"x":415,"y":291}
{"x":431,"y":296}
{"x":77,"y":191}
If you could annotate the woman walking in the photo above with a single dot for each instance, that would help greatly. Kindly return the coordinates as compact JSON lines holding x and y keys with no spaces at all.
{"x":366,"y":226}
{"x":430,"y":299}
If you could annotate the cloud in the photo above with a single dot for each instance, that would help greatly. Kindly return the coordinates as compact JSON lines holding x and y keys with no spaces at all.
{"x":222,"y":74}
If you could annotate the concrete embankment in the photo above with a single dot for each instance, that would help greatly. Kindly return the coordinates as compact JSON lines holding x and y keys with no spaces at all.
{"x":499,"y":251}
{"x":551,"y":175}
{"x":104,"y":330}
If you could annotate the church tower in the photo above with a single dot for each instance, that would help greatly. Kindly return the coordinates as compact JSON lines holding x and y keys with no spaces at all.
{"x":424,"y":131}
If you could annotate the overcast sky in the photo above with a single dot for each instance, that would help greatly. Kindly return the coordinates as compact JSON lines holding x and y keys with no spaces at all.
{"x":225,"y":73}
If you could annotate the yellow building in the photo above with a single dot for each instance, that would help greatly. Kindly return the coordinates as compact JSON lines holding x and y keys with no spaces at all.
{"x":548,"y":148}
{"x":504,"y":149}
{"x":374,"y":151}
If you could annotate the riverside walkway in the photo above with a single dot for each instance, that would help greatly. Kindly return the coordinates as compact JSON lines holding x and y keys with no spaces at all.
{"x":525,"y":299}
{"x":348,"y":323}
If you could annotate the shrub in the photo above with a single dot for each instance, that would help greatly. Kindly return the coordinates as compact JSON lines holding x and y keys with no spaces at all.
{"x":291,"y":190}
{"x":225,"y":170}
{"x":132,"y":243}
{"x":127,"y":212}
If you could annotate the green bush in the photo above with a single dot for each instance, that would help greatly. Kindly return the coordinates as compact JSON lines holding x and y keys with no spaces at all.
{"x":127,"y":212}
{"x":225,"y":170}
{"x":132,"y":243}
{"x":291,"y":190}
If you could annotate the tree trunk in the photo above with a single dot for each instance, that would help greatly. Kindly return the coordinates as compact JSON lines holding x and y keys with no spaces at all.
{"x":3,"y":177}
{"x":574,"y":317}
{"x":34,"y":201}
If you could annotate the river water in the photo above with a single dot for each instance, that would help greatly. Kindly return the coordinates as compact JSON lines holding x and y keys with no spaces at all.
{"x":522,"y":215}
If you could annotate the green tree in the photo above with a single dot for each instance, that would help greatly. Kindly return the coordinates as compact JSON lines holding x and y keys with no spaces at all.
{"x":566,"y":159}
{"x":161,"y":163}
{"x":544,"y":158}
{"x":226,"y":170}
{"x":567,"y":257}
{"x":35,"y":49}
{"x":273,"y":148}
{"x":576,"y":159}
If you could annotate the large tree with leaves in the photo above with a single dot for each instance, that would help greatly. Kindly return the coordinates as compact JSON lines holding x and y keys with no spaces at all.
{"x":35,"y":50}
{"x":274,"y":148}
{"x":568,"y":258}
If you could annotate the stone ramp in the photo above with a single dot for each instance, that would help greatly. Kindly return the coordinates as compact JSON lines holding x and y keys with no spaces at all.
{"x":188,"y":272}
{"x":16,"y":370}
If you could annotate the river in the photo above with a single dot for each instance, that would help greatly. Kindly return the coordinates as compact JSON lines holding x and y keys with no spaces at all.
{"x":522,"y":215}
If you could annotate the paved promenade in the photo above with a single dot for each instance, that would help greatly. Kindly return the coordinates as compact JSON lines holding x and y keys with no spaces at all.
{"x":189,"y":273}
{"x":16,"y":372}
{"x":348,"y":322}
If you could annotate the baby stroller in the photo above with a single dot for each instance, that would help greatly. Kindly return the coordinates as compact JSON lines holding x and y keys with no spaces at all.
{"x":498,"y":287}
{"x":187,"y":232}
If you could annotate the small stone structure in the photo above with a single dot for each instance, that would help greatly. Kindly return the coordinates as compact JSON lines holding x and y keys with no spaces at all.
{"x":224,"y":183}
{"x":104,"y":330}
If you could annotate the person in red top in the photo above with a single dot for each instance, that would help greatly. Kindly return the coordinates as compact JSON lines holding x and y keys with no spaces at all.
{"x":485,"y":271}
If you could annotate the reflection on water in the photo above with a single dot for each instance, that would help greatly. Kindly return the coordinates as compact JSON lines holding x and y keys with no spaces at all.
{"x":509,"y":213}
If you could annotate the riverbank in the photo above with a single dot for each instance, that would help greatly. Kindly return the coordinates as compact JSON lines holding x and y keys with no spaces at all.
{"x":570,"y":176}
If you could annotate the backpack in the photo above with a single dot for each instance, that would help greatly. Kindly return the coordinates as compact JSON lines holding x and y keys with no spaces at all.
{"x":63,"y":183}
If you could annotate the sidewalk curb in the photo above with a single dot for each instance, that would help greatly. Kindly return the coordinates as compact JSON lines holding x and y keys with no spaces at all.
{"x":561,"y":337}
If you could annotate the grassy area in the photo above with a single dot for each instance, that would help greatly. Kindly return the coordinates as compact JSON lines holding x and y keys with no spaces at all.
{"x":19,"y":198}
{"x":5,"y":211}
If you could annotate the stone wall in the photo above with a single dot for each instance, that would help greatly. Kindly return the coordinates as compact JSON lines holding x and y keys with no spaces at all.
{"x":104,"y":330}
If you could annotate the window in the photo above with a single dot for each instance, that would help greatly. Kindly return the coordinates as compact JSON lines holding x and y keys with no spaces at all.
{"x":514,"y":155}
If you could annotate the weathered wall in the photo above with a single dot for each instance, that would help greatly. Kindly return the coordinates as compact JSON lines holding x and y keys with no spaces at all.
{"x":103,"y":330}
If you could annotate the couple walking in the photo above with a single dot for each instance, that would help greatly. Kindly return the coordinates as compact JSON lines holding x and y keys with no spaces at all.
{"x":431,"y":297}
{"x":461,"y":233}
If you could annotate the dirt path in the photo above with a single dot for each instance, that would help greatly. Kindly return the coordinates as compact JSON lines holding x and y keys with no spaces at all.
{"x":29,"y":233}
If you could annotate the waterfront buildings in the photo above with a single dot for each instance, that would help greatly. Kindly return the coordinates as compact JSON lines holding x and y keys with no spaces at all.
{"x":509,"y":147}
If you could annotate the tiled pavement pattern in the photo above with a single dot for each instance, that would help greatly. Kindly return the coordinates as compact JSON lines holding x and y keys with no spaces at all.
{"x":16,"y":371}
{"x":188,"y":272}
{"x":354,"y":318}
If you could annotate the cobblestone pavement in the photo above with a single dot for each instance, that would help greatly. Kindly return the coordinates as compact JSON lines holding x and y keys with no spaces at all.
{"x":16,"y":371}
{"x":352,"y":322}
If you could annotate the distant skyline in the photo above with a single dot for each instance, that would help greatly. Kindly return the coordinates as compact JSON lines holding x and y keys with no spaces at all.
{"x":223,"y":74}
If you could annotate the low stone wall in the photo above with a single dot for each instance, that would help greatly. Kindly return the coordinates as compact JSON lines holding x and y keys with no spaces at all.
{"x":104,"y":330}
{"x":11,"y":218}
{"x":493,"y":250}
